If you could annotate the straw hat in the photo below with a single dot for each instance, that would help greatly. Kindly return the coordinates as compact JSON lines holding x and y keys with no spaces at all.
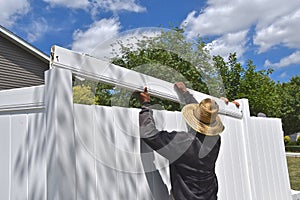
{"x":203,"y":117}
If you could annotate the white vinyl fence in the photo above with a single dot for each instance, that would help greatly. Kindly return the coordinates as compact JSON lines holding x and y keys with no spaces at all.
{"x":51,"y":148}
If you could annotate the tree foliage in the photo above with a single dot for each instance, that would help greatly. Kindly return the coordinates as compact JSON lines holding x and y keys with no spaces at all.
{"x":168,"y":56}
{"x":82,"y":94}
{"x":280,"y":100}
{"x":248,"y":82}
{"x":231,"y":73}
{"x":260,"y":90}
{"x":290,"y":108}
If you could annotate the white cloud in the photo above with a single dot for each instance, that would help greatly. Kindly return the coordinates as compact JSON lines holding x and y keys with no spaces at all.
{"x":229,"y":43}
{"x":96,"y":5}
{"x":69,"y":3}
{"x":102,"y":38}
{"x":87,"y":41}
{"x":283,"y":75}
{"x":275,"y":21}
{"x":294,"y":58}
{"x":11,"y":10}
{"x":285,"y":30}
{"x":118,"y":5}
{"x":36,"y":29}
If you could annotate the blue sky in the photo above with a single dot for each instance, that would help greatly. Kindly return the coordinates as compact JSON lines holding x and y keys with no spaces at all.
{"x":265,"y":31}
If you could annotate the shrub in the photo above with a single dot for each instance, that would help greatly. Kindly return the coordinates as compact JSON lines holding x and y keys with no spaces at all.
{"x":292,"y":143}
{"x":83,"y":95}
{"x":298,"y":139}
{"x":292,"y":148}
{"x":287,"y":139}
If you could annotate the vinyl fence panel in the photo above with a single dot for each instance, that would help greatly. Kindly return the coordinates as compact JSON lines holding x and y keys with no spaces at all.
{"x":118,"y":132}
{"x":23,"y":162}
{"x":22,"y":154}
{"x":51,"y":148}
{"x":231,"y":165}
{"x":267,"y":157}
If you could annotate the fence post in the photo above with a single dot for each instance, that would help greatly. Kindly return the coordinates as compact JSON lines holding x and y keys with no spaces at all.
{"x":61,"y":169}
{"x":246,"y":149}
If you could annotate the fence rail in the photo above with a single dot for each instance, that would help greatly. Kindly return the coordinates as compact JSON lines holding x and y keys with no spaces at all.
{"x":30,"y":98}
{"x":105,"y":72}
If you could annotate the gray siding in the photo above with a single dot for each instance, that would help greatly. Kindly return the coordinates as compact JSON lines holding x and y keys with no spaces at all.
{"x":19,"y":68}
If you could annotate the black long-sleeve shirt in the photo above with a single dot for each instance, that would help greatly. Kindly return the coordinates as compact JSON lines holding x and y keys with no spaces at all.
{"x":192,"y":156}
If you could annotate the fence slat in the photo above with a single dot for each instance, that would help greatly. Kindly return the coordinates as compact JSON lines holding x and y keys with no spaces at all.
{"x":85,"y":151}
{"x":105,"y":153}
{"x":5,"y":157}
{"x":19,"y":157}
{"x":36,"y":156}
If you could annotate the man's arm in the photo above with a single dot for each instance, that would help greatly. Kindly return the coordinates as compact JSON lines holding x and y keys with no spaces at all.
{"x":168,"y":144}
{"x":154,"y":138}
{"x":183,"y":93}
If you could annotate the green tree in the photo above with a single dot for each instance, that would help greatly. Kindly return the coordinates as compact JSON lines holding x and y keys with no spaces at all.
{"x":250,"y":83}
{"x":261,"y":91}
{"x":231,"y":73}
{"x":82,"y":94}
{"x":168,"y":56}
{"x":290,"y":97}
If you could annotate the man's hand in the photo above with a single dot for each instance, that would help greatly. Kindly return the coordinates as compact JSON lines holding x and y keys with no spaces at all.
{"x":181,"y":87}
{"x":226,"y":101}
{"x":237,"y":104}
{"x":144,"y":96}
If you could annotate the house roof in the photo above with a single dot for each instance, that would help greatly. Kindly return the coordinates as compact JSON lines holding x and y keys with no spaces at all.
{"x":23,"y":44}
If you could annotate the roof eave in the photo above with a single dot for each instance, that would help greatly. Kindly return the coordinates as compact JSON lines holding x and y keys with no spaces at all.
{"x":23,"y":44}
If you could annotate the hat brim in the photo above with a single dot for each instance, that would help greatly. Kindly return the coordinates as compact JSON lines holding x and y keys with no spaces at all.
{"x":207,"y":129}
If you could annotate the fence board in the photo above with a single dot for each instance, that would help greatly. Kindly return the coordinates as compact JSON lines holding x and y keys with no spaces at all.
{"x":19,"y":157}
{"x":279,"y":151}
{"x":85,"y":151}
{"x":5,"y":157}
{"x":36,"y":156}
{"x":105,"y":153}
{"x":126,"y":149}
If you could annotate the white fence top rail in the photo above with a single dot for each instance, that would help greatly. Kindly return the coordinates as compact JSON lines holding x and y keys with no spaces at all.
{"x":29,"y":98}
{"x":106,"y":72}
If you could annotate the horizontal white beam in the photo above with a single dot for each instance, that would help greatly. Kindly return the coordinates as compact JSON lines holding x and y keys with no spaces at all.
{"x":106,"y":72}
{"x":292,"y":154}
{"x":28,"y":98}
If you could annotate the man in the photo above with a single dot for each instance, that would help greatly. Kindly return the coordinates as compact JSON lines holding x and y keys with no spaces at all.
{"x":192,"y":154}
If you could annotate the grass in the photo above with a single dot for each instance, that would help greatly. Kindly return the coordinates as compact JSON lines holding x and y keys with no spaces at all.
{"x":294,"y":172}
